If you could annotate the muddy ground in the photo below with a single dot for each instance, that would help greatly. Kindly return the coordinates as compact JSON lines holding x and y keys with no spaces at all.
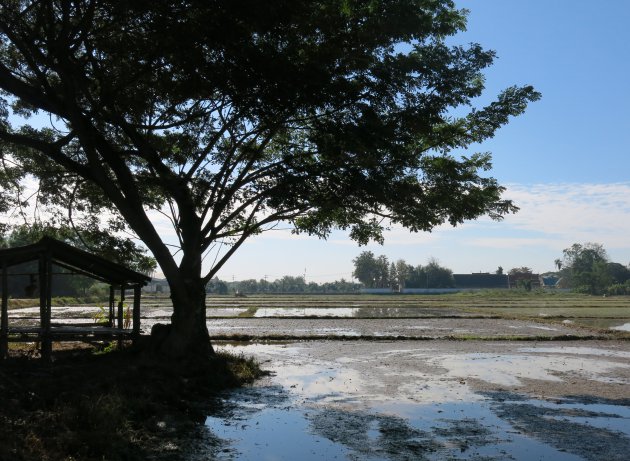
{"x":457,"y":388}
{"x":434,"y":328}
{"x":410,"y":400}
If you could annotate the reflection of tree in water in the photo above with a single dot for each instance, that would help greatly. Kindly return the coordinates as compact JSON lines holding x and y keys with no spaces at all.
{"x":373,"y":435}
{"x":553,"y":426}
{"x":384,"y":436}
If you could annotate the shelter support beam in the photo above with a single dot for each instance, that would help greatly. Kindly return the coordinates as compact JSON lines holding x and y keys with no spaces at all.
{"x":112,"y":303}
{"x":45,"y":302}
{"x":121,"y":307}
{"x":4,"y":317}
{"x":136,"y":311}
{"x":121,"y":319}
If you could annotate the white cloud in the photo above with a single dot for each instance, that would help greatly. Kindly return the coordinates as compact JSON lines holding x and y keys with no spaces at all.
{"x":551,"y":216}
{"x":510,"y":243}
{"x":573,"y":212}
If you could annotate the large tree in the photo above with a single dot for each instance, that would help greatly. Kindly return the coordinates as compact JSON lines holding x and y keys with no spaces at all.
{"x":587,"y":267}
{"x":371,"y":271}
{"x":230,"y":116}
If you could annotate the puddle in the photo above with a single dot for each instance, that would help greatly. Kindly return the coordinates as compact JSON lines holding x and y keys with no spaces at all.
{"x":224,"y":311}
{"x":271,"y":434}
{"x":510,"y":370}
{"x":608,"y":352}
{"x":358,"y":312}
{"x":306,"y":312}
{"x":325,"y":403}
{"x":605,"y":323}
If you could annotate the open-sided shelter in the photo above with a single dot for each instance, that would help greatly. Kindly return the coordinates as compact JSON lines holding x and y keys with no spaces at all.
{"x":49,"y":253}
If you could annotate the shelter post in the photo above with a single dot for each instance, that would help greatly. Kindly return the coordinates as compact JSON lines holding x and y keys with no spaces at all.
{"x":45,"y":301}
{"x":4,"y":318}
{"x":136,"y":311}
{"x":121,"y":307}
{"x":120,"y":315}
{"x":112,"y":301}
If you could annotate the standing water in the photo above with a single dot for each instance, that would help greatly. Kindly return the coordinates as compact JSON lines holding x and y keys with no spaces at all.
{"x":329,"y":401}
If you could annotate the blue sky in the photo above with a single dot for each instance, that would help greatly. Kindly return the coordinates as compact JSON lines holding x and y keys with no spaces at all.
{"x":565,"y":161}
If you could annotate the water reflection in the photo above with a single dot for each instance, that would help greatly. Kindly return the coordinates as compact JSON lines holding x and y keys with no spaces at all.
{"x":510,"y":370}
{"x":284,"y":430}
{"x":620,"y":324}
{"x":321,"y":405}
{"x":360,"y":312}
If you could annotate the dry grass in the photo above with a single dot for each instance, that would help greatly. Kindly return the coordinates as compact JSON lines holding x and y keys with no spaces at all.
{"x":114,"y":406}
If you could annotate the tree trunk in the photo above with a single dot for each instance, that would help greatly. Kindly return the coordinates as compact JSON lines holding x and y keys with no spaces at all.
{"x":187,"y":337}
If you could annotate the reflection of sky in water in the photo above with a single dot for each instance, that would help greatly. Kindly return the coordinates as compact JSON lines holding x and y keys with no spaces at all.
{"x":306,"y":311}
{"x":451,"y":419}
{"x":624,"y":327}
{"x":608,"y":352}
{"x":397,"y":431}
{"x":272,"y":434}
{"x":535,"y":327}
{"x":430,"y":389}
{"x":610,"y":417}
{"x":508,"y":370}
{"x":316,"y":380}
{"x":330,"y":410}
{"x":327,"y":331}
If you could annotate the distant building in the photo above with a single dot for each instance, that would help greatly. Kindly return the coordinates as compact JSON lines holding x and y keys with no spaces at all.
{"x":157,"y":286}
{"x":522,"y":279}
{"x":482,"y":280}
{"x":549,"y":281}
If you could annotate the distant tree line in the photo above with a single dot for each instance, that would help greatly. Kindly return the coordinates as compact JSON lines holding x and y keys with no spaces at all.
{"x":378,"y":272}
{"x":286,"y":284}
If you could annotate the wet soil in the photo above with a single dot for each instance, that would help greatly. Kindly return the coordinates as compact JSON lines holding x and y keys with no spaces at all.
{"x":433,"y":328}
{"x":410,"y":387}
{"x":409,"y":400}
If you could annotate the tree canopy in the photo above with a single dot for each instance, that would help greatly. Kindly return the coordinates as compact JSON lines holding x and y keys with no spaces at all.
{"x":231,"y":116}
{"x":586,"y":266}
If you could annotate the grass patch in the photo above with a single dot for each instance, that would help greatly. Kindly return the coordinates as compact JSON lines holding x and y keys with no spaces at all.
{"x":244,"y":369}
{"x":20,"y":303}
{"x":114,"y":406}
{"x":250,"y":312}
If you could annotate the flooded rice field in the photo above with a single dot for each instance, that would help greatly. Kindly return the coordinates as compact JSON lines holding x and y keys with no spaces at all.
{"x":311,"y":326}
{"x":420,"y":328}
{"x":413,"y":378}
{"x":428,"y":401}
